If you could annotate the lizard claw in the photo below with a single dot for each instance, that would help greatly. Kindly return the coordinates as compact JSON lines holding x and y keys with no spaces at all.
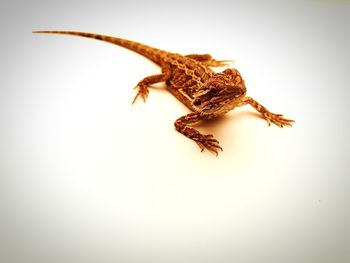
{"x":142,"y":92}
{"x":277,"y":119}
{"x":208,"y":142}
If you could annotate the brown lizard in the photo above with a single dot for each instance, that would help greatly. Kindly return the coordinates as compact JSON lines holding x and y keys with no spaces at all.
{"x":191,"y":80}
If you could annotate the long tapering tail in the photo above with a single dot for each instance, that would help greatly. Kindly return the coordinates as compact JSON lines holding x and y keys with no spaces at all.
{"x":144,"y":50}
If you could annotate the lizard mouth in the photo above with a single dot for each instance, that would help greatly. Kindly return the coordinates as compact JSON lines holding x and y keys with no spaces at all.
{"x":218,"y":106}
{"x":219,"y":99}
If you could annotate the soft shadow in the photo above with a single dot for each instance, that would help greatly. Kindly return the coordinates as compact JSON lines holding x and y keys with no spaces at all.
{"x":229,"y":117}
{"x":228,"y":128}
{"x":247,"y":114}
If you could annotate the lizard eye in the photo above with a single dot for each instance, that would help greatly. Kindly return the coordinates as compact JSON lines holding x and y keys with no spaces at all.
{"x":197,"y":102}
{"x":213,"y":90}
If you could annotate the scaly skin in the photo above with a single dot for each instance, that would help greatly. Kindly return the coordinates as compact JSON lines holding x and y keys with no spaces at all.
{"x":191,"y":80}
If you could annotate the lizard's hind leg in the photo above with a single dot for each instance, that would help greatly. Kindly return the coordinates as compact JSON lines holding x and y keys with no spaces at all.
{"x":209,"y":60}
{"x":143,"y":85}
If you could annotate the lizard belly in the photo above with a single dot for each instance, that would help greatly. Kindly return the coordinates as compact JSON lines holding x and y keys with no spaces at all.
{"x":182,"y":96}
{"x":186,"y":77}
{"x":183,"y":87}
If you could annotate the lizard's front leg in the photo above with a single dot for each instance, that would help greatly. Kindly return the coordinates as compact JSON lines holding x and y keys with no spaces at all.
{"x":146,"y":82}
{"x":209,"y":60}
{"x":268,"y":116}
{"x":203,"y":141}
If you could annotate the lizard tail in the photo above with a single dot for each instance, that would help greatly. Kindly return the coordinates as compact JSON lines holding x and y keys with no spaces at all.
{"x":144,"y":50}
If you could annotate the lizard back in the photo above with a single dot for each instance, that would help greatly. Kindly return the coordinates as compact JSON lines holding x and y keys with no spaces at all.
{"x":185,"y":74}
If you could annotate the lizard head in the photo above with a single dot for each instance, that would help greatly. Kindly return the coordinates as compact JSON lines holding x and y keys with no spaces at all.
{"x":220,"y":94}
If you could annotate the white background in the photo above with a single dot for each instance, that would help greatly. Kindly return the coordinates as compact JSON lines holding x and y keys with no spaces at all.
{"x":87,"y":177}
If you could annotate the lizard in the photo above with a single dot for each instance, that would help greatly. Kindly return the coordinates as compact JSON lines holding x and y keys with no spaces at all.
{"x":192,"y":81}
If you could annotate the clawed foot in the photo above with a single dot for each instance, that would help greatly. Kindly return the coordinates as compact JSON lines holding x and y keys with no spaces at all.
{"x":208,"y":142}
{"x":143,"y":92}
{"x":220,"y":63}
{"x":277,"y":119}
